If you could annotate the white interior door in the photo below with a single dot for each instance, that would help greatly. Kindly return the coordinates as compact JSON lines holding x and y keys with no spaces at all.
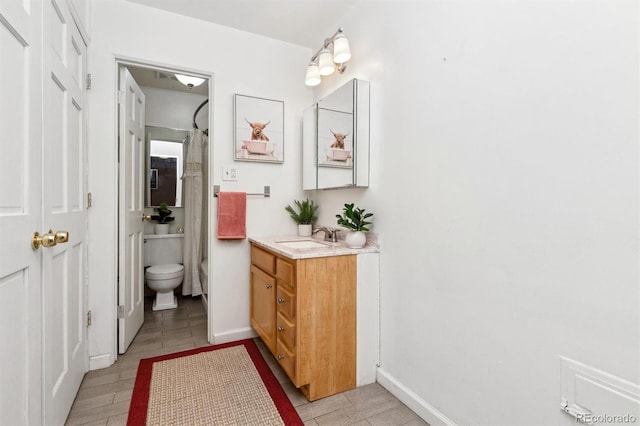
{"x":63,"y":266}
{"x":20,"y":212}
{"x":131,"y":200}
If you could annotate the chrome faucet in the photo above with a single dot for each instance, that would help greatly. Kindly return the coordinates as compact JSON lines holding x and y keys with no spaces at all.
{"x":329,"y":234}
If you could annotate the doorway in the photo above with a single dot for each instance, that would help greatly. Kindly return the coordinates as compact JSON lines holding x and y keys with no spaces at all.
{"x":161,"y":114}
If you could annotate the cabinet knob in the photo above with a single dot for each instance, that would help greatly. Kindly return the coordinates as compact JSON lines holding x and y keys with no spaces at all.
{"x":269,"y":286}
{"x":280,"y":300}
{"x":280,"y":357}
{"x":280,"y":328}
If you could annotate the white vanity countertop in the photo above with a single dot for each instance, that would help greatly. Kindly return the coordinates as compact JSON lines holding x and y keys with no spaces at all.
{"x":279,"y":245}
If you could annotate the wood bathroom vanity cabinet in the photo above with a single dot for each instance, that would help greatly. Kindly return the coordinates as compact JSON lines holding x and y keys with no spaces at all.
{"x":305,"y":312}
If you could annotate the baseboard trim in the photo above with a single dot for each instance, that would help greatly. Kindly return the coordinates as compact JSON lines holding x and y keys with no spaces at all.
{"x":97,"y":362}
{"x":428,"y":412}
{"x":233,"y":335}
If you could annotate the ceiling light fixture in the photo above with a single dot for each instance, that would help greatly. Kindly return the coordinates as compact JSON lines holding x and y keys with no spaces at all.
{"x":190,"y":81}
{"x":325,"y":62}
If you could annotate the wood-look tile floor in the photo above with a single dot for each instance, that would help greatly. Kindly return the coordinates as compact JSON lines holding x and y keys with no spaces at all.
{"x":104,"y":396}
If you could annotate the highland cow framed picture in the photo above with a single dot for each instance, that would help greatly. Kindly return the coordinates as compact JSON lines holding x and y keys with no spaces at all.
{"x":335,"y":138}
{"x":258,"y":129}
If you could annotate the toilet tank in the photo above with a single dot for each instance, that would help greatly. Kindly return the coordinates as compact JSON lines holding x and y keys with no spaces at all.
{"x":163,"y":249}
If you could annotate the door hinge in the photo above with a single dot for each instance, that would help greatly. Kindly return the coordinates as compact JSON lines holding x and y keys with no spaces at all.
{"x":582,"y":415}
{"x":88,"y":318}
{"x":120,"y":311}
{"x":89,"y":81}
{"x":89,"y":200}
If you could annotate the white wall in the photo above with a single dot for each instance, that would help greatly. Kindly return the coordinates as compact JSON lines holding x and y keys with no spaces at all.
{"x":505,"y":189}
{"x":125,"y":30}
{"x":174,"y":110}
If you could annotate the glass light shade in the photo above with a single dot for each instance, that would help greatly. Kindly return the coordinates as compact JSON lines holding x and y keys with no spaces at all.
{"x":341,"y":51}
{"x":312,"y":78}
{"x":325,"y":62}
{"x":190,"y":81}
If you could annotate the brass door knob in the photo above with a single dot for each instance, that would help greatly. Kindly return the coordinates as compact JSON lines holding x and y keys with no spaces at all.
{"x":146,"y":217}
{"x":62,"y":237}
{"x":44,"y":240}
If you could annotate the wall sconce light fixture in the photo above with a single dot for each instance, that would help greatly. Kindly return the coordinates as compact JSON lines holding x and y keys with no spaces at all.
{"x":325,"y":62}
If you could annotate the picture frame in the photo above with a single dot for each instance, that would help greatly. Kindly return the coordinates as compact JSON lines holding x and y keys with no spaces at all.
{"x":335,"y":139}
{"x":258,"y":129}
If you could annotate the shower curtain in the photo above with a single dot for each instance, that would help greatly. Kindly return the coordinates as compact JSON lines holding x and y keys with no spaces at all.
{"x":193,"y":214}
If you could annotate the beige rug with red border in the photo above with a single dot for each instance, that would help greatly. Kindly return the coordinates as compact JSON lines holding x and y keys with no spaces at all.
{"x":227,"y":384}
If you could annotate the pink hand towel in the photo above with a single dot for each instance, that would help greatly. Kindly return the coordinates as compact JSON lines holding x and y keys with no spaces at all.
{"x":232,"y":212}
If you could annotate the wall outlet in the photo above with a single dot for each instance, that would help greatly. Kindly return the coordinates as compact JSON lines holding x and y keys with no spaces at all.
{"x":229,"y":173}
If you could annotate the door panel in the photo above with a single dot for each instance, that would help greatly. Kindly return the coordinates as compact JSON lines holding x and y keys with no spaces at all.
{"x":20,"y":212}
{"x":55,"y":367}
{"x":15,"y":391}
{"x":74,"y":155}
{"x":55,"y":150}
{"x":64,"y":285}
{"x":15,"y":142}
{"x":131,"y":268}
{"x":75,"y":282}
{"x":263,"y":306}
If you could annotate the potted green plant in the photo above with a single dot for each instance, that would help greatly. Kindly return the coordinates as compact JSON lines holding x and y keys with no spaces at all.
{"x":163,"y":218}
{"x":305,"y":216}
{"x":355,"y":220}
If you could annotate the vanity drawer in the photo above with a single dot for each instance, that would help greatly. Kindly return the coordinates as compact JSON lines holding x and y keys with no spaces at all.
{"x":263,"y":260}
{"x":285,"y":272}
{"x":286,"y":303}
{"x":286,"y":331}
{"x":287,"y":360}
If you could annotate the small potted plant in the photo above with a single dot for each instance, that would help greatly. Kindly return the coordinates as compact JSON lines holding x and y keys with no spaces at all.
{"x":163,"y":218}
{"x":355,"y":220}
{"x":305,"y":216}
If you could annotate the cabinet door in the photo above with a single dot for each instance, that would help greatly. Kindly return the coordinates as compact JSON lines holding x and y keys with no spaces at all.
{"x":263,"y":306}
{"x":285,"y":273}
{"x":286,"y":303}
{"x":263,"y":260}
{"x":286,"y":332}
{"x":287,"y":360}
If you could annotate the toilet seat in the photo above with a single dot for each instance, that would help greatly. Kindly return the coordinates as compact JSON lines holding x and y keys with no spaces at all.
{"x":164,"y":272}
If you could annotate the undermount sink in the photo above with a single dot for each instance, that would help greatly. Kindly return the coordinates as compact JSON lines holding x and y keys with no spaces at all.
{"x":302,"y":244}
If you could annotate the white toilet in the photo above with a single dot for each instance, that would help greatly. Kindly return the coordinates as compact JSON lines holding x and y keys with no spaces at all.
{"x":163,"y":256}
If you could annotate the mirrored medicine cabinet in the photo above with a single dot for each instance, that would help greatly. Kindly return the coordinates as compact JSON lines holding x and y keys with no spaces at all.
{"x":335,"y":139}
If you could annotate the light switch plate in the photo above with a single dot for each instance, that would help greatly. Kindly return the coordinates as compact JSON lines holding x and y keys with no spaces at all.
{"x":229,"y":173}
